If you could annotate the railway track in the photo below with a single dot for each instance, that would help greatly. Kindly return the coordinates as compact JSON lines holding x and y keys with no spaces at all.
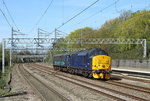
{"x":145,"y":75}
{"x":125,"y":85}
{"x":130,"y":86}
{"x":106,"y":92}
{"x":29,"y":83}
{"x":130,"y":78}
{"x":114,"y":76}
{"x":45,"y":92}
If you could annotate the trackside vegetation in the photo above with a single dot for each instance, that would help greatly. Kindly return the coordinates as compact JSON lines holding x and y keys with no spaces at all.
{"x":4,"y":76}
{"x":128,"y":25}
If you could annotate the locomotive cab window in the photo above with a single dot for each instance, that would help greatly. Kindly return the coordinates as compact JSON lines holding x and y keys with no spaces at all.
{"x":97,"y":52}
{"x":101,"y":52}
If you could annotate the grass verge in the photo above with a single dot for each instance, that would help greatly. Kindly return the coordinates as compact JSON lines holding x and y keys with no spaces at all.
{"x":4,"y":79}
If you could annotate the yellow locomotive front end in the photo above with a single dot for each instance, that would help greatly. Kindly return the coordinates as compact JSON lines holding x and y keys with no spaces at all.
{"x":101,"y":67}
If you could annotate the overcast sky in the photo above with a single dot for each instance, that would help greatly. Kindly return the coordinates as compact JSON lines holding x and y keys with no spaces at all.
{"x":26,"y":13}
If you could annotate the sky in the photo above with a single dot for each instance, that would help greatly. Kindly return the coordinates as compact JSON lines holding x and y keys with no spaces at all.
{"x":26,"y":14}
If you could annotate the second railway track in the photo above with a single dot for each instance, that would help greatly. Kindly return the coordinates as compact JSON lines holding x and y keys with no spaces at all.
{"x":46,"y":92}
{"x":118,"y":94}
{"x":125,"y":85}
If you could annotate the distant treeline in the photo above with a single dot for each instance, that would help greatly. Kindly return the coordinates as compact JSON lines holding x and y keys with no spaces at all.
{"x":127,"y":25}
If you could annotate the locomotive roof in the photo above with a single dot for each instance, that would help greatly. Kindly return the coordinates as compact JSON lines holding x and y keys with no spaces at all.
{"x":82,"y":52}
{"x":74,"y":53}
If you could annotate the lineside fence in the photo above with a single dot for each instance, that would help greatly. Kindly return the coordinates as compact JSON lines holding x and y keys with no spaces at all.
{"x":133,"y":64}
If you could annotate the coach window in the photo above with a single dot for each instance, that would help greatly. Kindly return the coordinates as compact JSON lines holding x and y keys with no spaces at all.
{"x":84,"y":60}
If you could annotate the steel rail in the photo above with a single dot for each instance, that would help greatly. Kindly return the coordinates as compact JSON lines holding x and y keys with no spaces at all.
{"x":51,"y":89}
{"x":32,"y":87}
{"x":130,"y":86}
{"x":130,"y":78}
{"x":115,"y":91}
{"x":125,"y":85}
{"x":100,"y":92}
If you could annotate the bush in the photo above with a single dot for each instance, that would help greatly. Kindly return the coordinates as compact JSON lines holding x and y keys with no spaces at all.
{"x":2,"y":83}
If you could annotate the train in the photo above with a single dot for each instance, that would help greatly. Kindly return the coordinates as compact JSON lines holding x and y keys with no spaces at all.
{"x":92,"y":63}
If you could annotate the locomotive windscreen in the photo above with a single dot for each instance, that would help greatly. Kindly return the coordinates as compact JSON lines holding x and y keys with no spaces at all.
{"x":97,"y":52}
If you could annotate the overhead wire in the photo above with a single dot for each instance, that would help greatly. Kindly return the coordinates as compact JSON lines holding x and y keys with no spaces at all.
{"x":42,"y":15}
{"x":77,"y":14}
{"x":18,"y":31}
{"x":96,"y":13}
{"x":116,"y":8}
{"x":5,"y":18}
{"x":62,"y":32}
{"x":108,"y":7}
{"x":10,"y":14}
{"x":44,"y":31}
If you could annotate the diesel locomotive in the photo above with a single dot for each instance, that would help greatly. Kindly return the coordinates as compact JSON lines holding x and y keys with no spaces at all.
{"x":93,"y":63}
